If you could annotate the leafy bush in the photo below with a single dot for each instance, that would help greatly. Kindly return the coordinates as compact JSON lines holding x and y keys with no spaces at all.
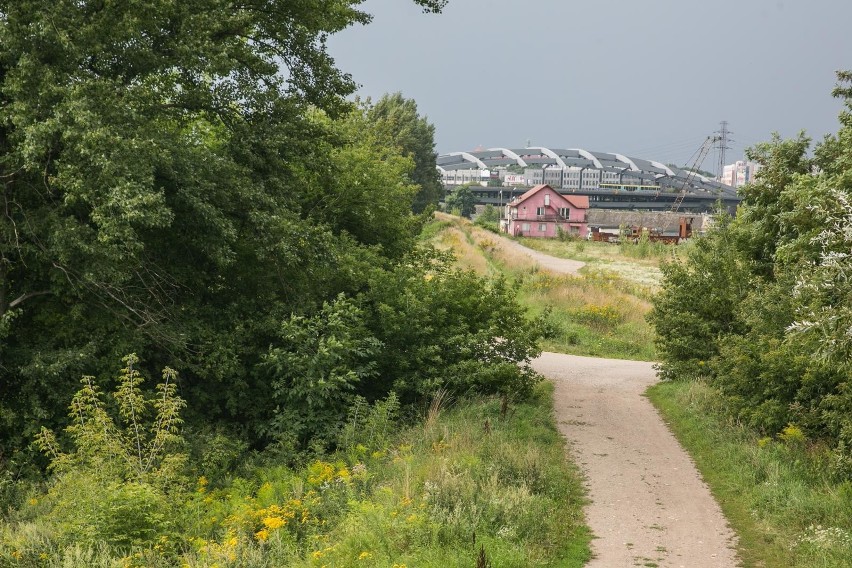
{"x":489,"y":218}
{"x":450,"y":329}
{"x":118,"y":483}
{"x":763,"y":305}
{"x":697,"y":304}
{"x":316,"y":369}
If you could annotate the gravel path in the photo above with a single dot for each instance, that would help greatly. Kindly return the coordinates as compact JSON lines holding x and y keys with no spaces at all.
{"x":545,"y":261}
{"x":649,"y":506}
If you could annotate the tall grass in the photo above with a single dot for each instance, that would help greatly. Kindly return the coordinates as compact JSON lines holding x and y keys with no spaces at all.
{"x":777,"y":494}
{"x":599,"y":313}
{"x":465,"y":481}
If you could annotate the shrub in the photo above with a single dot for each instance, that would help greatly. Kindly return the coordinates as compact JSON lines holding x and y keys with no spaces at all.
{"x":452,"y":329}
{"x":599,"y":317}
{"x":697,"y":304}
{"x":315,"y":370}
{"x":114,"y":486}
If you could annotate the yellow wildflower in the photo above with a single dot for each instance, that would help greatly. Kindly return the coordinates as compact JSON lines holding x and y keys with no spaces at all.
{"x":261,"y":535}
{"x":320,"y":472}
{"x":365,"y":555}
{"x":274,"y":522}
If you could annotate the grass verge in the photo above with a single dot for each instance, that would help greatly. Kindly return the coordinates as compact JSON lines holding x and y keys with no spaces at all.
{"x":599,"y":313}
{"x":777,"y":495}
{"x":466,"y":480}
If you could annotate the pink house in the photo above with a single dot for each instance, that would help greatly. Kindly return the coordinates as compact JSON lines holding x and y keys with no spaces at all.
{"x":539,"y":212}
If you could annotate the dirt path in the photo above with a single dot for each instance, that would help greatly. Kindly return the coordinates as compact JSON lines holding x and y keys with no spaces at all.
{"x":545,"y":261}
{"x":649,"y":506}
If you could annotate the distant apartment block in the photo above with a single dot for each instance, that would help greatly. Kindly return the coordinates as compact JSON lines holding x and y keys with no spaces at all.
{"x":739,"y":173}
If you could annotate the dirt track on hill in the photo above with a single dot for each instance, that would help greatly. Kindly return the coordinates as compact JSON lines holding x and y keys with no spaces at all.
{"x":545,"y":261}
{"x":649,"y":506}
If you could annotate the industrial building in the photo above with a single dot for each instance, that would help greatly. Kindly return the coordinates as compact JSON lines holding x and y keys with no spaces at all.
{"x":610,"y":180}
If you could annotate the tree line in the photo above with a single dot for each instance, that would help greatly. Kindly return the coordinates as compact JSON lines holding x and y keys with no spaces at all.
{"x":762,"y":308}
{"x":187,"y":181}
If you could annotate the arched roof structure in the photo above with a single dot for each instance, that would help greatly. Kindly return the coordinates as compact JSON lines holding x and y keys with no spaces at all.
{"x":666,"y":177}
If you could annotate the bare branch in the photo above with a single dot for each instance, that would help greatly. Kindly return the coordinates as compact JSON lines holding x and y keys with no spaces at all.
{"x":24,"y":297}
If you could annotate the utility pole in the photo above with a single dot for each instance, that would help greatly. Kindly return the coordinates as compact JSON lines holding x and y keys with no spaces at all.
{"x":724,"y":139}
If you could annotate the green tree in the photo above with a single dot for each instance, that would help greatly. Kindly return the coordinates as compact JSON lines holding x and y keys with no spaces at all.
{"x":461,"y":199}
{"x":358,"y":183}
{"x":769,"y":309}
{"x":398,"y":118}
{"x":158,"y":163}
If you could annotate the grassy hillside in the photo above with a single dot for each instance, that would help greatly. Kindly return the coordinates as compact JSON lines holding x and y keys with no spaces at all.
{"x":470,"y":478}
{"x":599,"y":313}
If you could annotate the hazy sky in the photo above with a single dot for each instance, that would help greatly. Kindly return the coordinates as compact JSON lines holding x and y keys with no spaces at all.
{"x":647,"y":78}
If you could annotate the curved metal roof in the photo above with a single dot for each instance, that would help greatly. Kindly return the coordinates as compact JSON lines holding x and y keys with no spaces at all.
{"x":672,"y":179}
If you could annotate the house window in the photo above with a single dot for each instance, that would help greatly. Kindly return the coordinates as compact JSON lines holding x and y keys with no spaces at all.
{"x":539,"y":211}
{"x":565,"y":212}
{"x":525,"y":227}
{"x":542,"y":227}
{"x":546,"y":199}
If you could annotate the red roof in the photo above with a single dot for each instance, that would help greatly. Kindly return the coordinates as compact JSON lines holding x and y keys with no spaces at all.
{"x":532,"y":192}
{"x":576,"y":201}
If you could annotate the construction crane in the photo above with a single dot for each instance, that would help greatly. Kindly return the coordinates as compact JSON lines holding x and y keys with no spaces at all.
{"x":692,"y":170}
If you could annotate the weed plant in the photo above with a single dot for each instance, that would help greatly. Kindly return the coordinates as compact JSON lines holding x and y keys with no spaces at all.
{"x":593,"y":314}
{"x":479,"y":480}
{"x":785,"y":496}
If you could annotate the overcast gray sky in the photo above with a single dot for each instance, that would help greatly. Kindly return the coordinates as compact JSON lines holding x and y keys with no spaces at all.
{"x":647,"y":78}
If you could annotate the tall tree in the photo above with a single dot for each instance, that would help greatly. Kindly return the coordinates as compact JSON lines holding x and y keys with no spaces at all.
{"x":778,"y":348}
{"x":152,"y":156}
{"x":461,"y":199}
{"x":398,"y":118}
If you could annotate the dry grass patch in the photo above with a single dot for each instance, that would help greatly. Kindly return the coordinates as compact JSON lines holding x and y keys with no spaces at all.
{"x":511,"y":257}
{"x":608,"y":257}
{"x":579,"y":295}
{"x":468,"y":255}
{"x":478,"y":249}
{"x":599,"y":313}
